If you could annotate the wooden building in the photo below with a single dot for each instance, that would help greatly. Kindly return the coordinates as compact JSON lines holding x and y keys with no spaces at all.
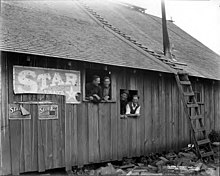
{"x":55,"y":36}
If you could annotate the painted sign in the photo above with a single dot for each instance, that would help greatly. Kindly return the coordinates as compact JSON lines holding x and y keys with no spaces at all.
{"x":48,"y":112}
{"x":17,"y":112}
{"x":37,"y":80}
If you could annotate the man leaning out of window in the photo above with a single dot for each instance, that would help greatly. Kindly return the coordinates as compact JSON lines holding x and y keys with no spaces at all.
{"x":93,"y":90}
{"x":133,"y":107}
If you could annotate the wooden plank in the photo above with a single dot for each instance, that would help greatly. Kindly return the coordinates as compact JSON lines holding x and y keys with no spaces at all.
{"x":175,"y":117}
{"x":168,"y":115}
{"x":113,"y":85}
{"x":121,"y":84}
{"x":212,"y":110}
{"x":123,"y":123}
{"x":207,"y":106}
{"x":5,"y":144}
{"x":140,"y":120}
{"x":34,"y":145}
{"x":217,"y":107}
{"x":1,"y":112}
{"x":162,"y":112}
{"x":74,"y":135}
{"x":81,"y":125}
{"x":49,"y":138}
{"x":85,"y":116}
{"x":49,"y":144}
{"x":41,"y":149}
{"x":133,"y":86}
{"x":181,"y":122}
{"x":27,"y":142}
{"x":104,"y":129}
{"x":114,"y":118}
{"x":61,"y":119}
{"x":147,"y":115}
{"x":68,"y":151}
{"x":155,"y":122}
{"x":15,"y":140}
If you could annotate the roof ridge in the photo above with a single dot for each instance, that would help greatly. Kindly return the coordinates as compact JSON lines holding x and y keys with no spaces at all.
{"x":160,"y":59}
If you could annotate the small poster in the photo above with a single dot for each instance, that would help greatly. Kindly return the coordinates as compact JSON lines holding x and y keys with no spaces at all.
{"x":47,"y":112}
{"x":18,"y":112}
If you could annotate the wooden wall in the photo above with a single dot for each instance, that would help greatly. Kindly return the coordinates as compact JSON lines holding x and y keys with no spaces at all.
{"x":89,"y":133}
{"x":0,"y":112}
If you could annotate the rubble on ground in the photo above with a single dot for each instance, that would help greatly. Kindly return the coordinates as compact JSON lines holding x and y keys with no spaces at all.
{"x":184,"y":162}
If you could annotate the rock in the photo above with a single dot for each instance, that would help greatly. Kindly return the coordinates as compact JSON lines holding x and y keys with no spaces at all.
{"x":189,"y":155}
{"x":108,"y":170}
{"x":216,"y":143}
{"x":92,"y":172}
{"x":127,"y":166}
{"x":164,"y":159}
{"x":161,"y":162}
{"x":152,"y":167}
{"x":120,"y":172}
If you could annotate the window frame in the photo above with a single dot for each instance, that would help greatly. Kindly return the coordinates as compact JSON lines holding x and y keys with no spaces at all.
{"x":113,"y":87}
{"x":129,"y":97}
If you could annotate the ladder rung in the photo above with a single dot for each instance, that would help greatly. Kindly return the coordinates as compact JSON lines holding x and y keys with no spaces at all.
{"x":196,"y":117}
{"x":185,"y":82}
{"x":200,"y":129}
{"x":207,"y":154}
{"x":192,"y":105}
{"x":188,"y":93}
{"x":182,"y":73}
{"x":204,"y":141}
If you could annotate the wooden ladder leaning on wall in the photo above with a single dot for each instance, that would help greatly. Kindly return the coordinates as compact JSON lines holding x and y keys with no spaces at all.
{"x":202,"y":142}
{"x":182,"y":79}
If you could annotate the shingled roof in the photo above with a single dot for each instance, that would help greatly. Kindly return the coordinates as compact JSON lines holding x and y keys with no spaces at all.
{"x":62,"y":29}
{"x":147,"y":29}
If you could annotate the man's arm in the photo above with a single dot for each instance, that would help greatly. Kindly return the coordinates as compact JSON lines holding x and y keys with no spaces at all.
{"x":128,"y":110}
{"x":138,"y":111}
{"x":88,"y":92}
{"x":99,"y":93}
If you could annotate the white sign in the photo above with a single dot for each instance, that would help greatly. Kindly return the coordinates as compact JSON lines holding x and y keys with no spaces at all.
{"x":37,"y":80}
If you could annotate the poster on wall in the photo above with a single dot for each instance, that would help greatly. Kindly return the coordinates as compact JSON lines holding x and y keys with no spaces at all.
{"x":47,"y":112}
{"x":18,"y":112}
{"x":36,"y":80}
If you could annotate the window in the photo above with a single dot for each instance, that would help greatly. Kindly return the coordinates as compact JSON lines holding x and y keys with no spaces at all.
{"x":125,"y":97}
{"x":98,"y":85}
{"x":198,"y":96}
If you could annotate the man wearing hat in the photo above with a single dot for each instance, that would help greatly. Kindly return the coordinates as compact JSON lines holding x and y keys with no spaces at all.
{"x":123,"y":102}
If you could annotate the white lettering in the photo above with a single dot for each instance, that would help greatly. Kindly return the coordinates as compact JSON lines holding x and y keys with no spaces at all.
{"x":71,"y":79}
{"x":57,"y":80}
{"x":29,"y":85}
{"x":43,"y":78}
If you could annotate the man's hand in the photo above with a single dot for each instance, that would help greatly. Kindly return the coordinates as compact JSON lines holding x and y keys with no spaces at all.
{"x":123,"y":116}
{"x":90,"y":97}
{"x":95,"y":95}
{"x":106,"y":98}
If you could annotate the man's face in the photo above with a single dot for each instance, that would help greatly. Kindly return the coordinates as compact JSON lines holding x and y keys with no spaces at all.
{"x":96,"y":81}
{"x":135,"y":100}
{"x":106,"y":82}
{"x":124,"y":96}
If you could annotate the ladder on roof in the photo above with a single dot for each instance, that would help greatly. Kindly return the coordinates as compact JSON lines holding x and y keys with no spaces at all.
{"x":202,"y":145}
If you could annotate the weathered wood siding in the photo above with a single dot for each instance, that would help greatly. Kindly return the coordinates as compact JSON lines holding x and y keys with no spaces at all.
{"x":89,"y":133}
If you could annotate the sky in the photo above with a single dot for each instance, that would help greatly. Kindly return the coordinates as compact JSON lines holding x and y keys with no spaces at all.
{"x":199,"y":18}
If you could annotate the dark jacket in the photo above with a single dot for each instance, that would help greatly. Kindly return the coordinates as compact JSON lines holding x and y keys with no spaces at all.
{"x":91,"y":89}
{"x":109,"y":93}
